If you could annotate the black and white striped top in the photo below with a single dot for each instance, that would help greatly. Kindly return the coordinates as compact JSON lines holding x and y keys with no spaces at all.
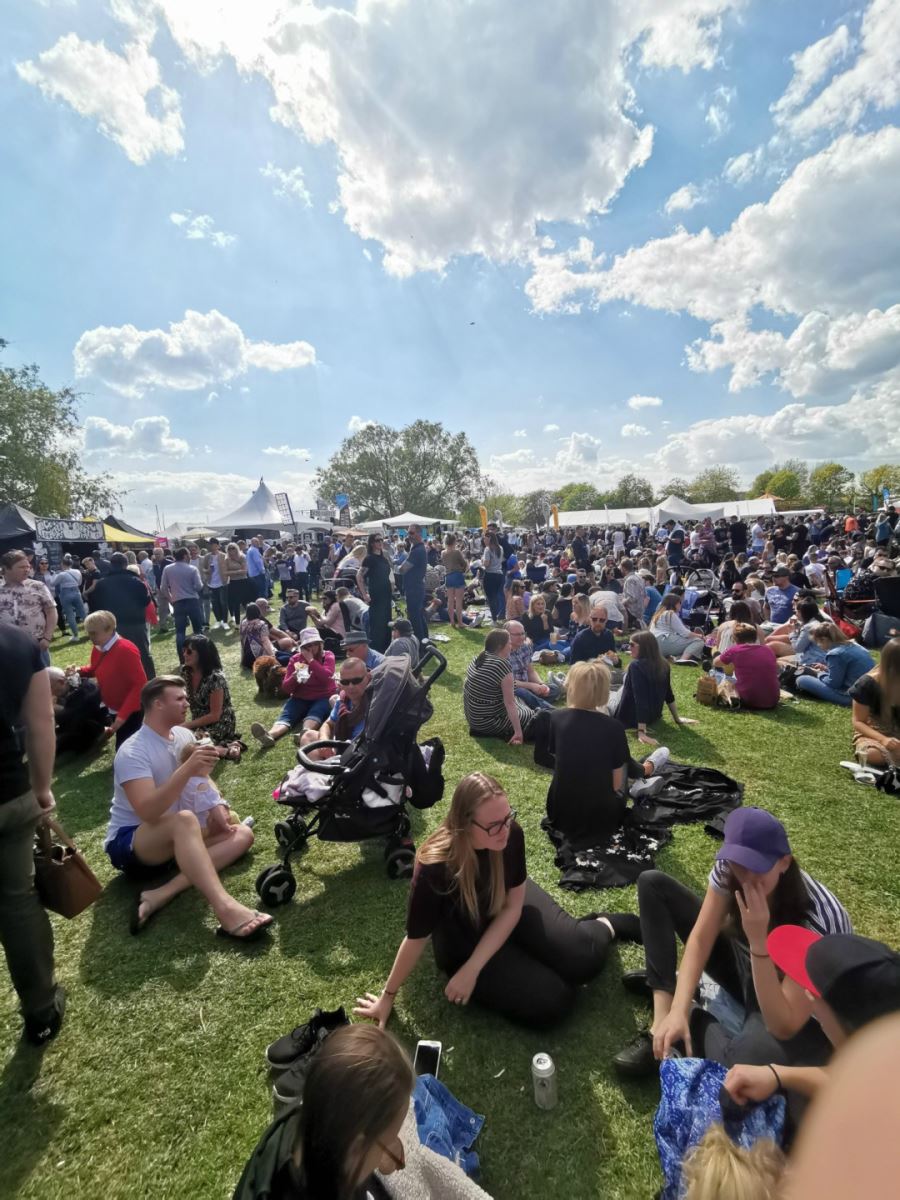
{"x":483,"y":698}
{"x":826,"y":913}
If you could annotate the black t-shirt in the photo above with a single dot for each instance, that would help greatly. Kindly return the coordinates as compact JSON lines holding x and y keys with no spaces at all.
{"x":563,"y":612}
{"x":867,"y":691}
{"x":738,"y":532}
{"x":21,"y":659}
{"x":434,"y":901}
{"x":588,"y":746}
{"x":378,"y":571}
{"x":535,"y":629}
{"x":588,"y":645}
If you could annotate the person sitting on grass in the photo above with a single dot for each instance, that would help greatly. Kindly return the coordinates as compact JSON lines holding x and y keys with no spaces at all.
{"x":537,"y":624}
{"x":504,"y":943}
{"x":201,"y":797}
{"x":597,"y":640}
{"x":755,"y":669}
{"x":255,"y":639}
{"x":147,"y":831}
{"x":489,"y":699}
{"x":79,"y":712}
{"x":308,"y":685}
{"x":646,"y":688}
{"x":845,"y":663}
{"x":756,"y":884}
{"x":676,"y":641}
{"x":292,"y":614}
{"x":529,"y":687}
{"x":876,"y":711}
{"x":117,"y":667}
{"x":212,"y":713}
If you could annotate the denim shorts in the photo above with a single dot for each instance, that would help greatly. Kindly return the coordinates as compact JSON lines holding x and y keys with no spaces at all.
{"x":296,"y":710}
{"x":123,"y":858}
{"x":455,"y":579}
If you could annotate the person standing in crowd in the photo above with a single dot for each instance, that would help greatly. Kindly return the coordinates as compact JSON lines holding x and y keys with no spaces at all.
{"x":256,"y":571}
{"x":67,"y":589}
{"x":218,"y":583}
{"x":235,"y":574}
{"x":200,"y":560}
{"x":117,"y":667}
{"x":300,"y":567}
{"x":316,"y":554}
{"x":125,"y":596}
{"x":26,"y":603}
{"x":181,"y":585}
{"x":413,"y":572}
{"x":455,"y":565}
{"x":160,"y":561}
{"x":373,"y":579}
{"x":492,"y":566}
{"x":26,"y":704}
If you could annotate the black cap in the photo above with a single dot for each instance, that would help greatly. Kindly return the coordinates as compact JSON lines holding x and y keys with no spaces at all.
{"x":402,"y":626}
{"x":857,"y":977}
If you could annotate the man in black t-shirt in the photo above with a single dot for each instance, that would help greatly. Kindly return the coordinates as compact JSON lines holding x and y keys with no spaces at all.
{"x":26,"y":726}
{"x":591,"y":643}
{"x":737,"y":532}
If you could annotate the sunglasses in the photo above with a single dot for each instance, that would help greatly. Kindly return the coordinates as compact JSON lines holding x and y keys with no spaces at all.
{"x":496,"y":827}
{"x":599,"y":620}
{"x":354,"y":681}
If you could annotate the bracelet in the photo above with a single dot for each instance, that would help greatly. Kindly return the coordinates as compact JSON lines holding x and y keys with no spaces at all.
{"x":777,"y":1077}
{"x":753,"y":954}
{"x":385,"y":992}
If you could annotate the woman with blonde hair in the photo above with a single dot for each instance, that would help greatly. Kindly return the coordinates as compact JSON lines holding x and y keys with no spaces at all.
{"x":502,"y":940}
{"x":845,"y":663}
{"x":234,"y":573}
{"x":674,"y":638}
{"x":718,"y":1169}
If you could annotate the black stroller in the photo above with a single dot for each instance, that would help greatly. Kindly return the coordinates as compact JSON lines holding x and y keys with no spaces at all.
{"x":370,"y":784}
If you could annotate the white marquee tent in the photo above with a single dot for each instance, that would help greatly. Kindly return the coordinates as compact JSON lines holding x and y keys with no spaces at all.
{"x":259,"y":512}
{"x":673,"y":507}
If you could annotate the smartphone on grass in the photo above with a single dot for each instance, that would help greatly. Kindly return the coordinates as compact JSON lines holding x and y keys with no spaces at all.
{"x":428,"y":1058}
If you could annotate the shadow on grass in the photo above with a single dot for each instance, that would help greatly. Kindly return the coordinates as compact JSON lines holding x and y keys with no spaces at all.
{"x":25,"y":1140}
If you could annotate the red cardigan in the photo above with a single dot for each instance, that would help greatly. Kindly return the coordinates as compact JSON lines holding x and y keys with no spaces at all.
{"x":120,"y":675}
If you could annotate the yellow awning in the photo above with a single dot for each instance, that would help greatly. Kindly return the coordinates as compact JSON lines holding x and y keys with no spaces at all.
{"x":111,"y":534}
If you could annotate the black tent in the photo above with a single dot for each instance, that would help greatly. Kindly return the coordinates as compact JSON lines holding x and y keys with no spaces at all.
{"x":17,"y":526}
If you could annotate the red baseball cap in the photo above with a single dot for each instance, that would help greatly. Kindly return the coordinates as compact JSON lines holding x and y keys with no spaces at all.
{"x":788,"y":946}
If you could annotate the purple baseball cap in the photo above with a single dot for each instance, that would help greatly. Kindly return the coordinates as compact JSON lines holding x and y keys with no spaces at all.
{"x":754,"y":839}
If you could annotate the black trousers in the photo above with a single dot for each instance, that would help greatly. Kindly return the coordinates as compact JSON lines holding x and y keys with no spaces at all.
{"x":138,"y":635}
{"x":132,"y":725}
{"x":219,"y":598}
{"x":532,"y":978}
{"x":668,"y":911}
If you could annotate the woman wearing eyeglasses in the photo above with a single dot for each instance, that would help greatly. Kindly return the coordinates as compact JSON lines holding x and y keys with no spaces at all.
{"x":502,"y":940}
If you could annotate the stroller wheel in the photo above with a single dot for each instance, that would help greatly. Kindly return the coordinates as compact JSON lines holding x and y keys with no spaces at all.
{"x":275,"y":885}
{"x":400,"y":861}
{"x":290,"y":833}
{"x":403,"y":826}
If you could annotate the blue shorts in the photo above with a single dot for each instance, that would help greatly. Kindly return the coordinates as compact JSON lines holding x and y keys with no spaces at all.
{"x":123,"y":858}
{"x":455,"y":579}
{"x":296,"y":710}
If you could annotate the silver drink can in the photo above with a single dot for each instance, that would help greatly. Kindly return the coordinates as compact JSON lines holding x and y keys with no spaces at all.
{"x":543,"y":1075}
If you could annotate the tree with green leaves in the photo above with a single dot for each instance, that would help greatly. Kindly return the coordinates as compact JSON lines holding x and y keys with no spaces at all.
{"x":886,"y":475}
{"x":503,"y":502}
{"x":715,"y":483}
{"x":421,"y":468}
{"x":577,"y":497}
{"x":829,"y":484}
{"x":760,"y":484}
{"x":632,"y":491}
{"x":534,"y":507}
{"x":40,"y":467}
{"x":785,"y":484}
{"x":675,"y":487}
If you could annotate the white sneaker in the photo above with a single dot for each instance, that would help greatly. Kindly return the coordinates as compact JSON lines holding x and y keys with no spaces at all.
{"x":659,"y":758}
{"x":647,"y":787}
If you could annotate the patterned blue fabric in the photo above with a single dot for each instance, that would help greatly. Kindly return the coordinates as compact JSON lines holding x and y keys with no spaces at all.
{"x":446,"y":1126}
{"x":689,"y":1104}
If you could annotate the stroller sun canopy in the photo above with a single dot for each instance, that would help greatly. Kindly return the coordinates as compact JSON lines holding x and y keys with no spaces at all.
{"x":396,"y":696}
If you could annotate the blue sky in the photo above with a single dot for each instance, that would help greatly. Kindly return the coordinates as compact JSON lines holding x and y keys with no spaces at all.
{"x":599,"y":237}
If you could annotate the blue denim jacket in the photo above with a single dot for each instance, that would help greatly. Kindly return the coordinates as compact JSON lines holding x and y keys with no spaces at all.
{"x":446,"y":1126}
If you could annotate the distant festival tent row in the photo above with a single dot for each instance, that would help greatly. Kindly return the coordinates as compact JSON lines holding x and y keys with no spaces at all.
{"x":672,"y":508}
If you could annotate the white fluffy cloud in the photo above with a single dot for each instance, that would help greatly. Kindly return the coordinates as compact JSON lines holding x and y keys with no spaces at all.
{"x":355,"y":424}
{"x":634,"y":431}
{"x":148,"y":437}
{"x":287,"y":452}
{"x":636,"y":403}
{"x":289,"y":184}
{"x":122,"y":92}
{"x":578,"y":457}
{"x":438,"y":116}
{"x":520,"y":433}
{"x":685,"y":198}
{"x":744,"y":167}
{"x":200,"y":350}
{"x":872,"y":81}
{"x":200,"y":227}
{"x":828,"y":238}
{"x":718,"y":115}
{"x":551,"y":429}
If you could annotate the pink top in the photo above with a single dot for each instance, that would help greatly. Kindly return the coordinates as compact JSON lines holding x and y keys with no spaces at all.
{"x":321,"y":677}
{"x":755,"y":674}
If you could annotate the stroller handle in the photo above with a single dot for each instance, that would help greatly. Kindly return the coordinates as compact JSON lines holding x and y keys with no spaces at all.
{"x":431,"y":652}
{"x":321,"y":768}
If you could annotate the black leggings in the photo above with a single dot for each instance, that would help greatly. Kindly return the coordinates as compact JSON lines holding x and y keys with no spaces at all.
{"x":668,"y":911}
{"x":532,"y":978}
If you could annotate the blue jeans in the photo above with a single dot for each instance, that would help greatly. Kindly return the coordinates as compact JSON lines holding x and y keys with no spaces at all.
{"x":185,"y":610}
{"x":445,"y":1125}
{"x":812,"y":686}
{"x":72,"y":605}
{"x":536,"y":702}
{"x":296,"y":710}
{"x":493,"y":593}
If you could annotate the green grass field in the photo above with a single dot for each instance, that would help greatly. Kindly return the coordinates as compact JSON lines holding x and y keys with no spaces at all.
{"x":157,"y":1085}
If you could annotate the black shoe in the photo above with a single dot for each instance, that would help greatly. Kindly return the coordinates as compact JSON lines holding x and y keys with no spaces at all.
{"x":637,"y":1060}
{"x":626,"y":926}
{"x":288,"y":1086}
{"x":41,"y":1028}
{"x":636,"y":983}
{"x":284,"y":1052}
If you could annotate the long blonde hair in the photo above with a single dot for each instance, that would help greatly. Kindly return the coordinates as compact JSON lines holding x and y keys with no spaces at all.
{"x":451,"y":843}
{"x":717,"y":1169}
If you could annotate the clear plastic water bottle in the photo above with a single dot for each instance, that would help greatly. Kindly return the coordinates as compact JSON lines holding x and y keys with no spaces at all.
{"x":543,"y":1075}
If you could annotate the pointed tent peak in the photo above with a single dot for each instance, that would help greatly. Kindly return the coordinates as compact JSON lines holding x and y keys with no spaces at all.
{"x":259,"y":512}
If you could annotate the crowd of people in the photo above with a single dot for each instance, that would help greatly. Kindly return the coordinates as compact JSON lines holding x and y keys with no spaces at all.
{"x":770,"y":609}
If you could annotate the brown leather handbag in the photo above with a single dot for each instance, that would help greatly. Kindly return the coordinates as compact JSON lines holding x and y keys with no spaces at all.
{"x":64,"y":881}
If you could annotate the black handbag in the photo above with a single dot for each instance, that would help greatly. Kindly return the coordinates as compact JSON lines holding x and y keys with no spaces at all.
{"x":879,"y":629}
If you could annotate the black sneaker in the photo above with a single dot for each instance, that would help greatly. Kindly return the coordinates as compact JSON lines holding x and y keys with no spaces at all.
{"x":284,"y":1052}
{"x":288,"y":1086}
{"x":637,"y":1060}
{"x":636,"y":983}
{"x":41,"y":1028}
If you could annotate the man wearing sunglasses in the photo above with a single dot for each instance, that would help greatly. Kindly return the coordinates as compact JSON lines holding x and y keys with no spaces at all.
{"x":347,"y":718}
{"x":597,"y":641}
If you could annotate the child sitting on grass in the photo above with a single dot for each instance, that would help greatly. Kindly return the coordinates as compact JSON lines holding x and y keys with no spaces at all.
{"x":201,"y":797}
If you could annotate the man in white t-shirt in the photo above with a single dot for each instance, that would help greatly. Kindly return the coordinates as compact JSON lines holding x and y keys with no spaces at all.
{"x":147,"y":831}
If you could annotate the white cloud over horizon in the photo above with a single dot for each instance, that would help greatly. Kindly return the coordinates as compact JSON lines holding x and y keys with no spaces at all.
{"x":201,"y":227}
{"x":147,"y":437}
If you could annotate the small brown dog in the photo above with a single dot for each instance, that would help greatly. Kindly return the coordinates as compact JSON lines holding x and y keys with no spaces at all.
{"x":268,"y":673}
